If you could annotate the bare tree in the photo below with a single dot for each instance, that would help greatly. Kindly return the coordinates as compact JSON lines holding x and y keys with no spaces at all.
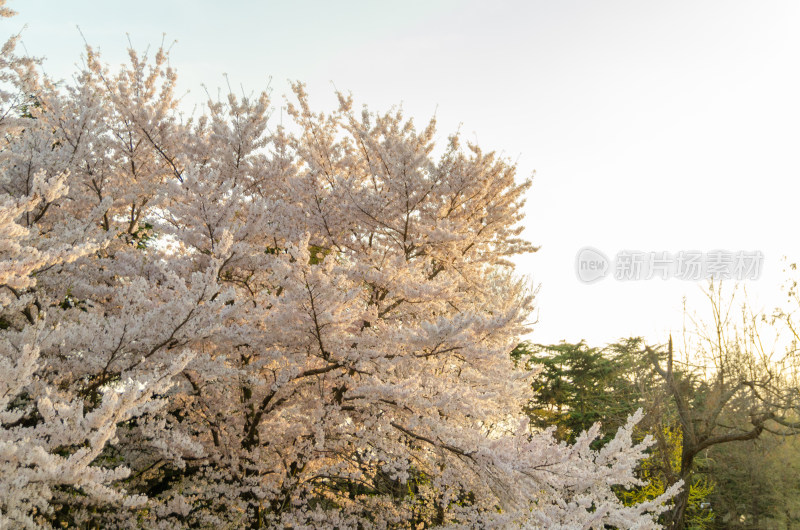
{"x":732,"y":384}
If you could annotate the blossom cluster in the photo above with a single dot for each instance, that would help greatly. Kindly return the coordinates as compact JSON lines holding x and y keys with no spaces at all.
{"x":216,"y":322}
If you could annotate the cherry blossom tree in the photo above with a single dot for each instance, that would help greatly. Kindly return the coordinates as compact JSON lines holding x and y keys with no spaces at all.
{"x":216,"y":321}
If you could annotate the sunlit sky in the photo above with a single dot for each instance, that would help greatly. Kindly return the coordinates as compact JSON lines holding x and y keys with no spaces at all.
{"x":657,"y":126}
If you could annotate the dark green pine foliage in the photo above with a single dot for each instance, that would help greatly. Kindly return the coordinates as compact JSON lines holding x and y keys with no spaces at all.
{"x":580,"y":385}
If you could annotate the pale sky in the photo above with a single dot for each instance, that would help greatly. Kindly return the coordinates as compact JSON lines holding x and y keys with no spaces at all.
{"x":654,"y":126}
